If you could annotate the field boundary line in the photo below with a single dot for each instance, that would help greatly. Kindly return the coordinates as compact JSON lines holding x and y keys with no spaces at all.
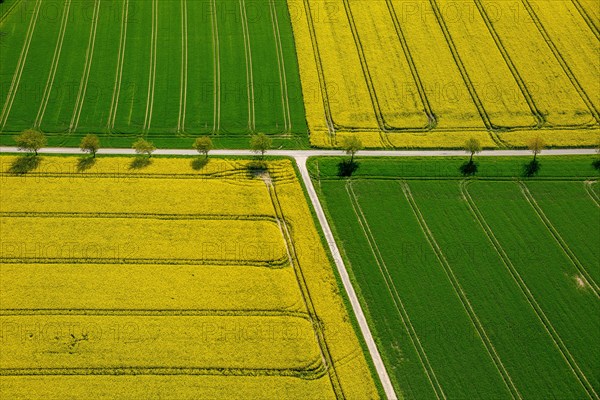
{"x":535,"y":111}
{"x":10,"y":9}
{"x":308,"y":373}
{"x":16,"y":80}
{"x":413,"y":67}
{"x":383,"y":125}
{"x":114,"y":104}
{"x":590,"y":191}
{"x":565,"y":67}
{"x":184,"y":69}
{"x":249,"y":67}
{"x":559,"y":240}
{"x":54,"y":66}
{"x":393,"y":291}
{"x":588,"y":20}
{"x":159,"y":216}
{"x":174,"y":312}
{"x":331,"y":126}
{"x":89,"y":57}
{"x":285,"y":99}
{"x":280,"y":263}
{"x":491,"y":128}
{"x":294,"y":262}
{"x":216,"y":67}
{"x":152,"y":72}
{"x":548,"y":327}
{"x":460,"y":292}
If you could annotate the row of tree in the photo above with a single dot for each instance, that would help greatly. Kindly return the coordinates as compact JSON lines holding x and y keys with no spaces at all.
{"x":33,"y":140}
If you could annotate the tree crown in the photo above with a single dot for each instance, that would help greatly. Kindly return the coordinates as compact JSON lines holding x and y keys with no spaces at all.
{"x":536,"y":144}
{"x":473,"y":146}
{"x":31,"y":140}
{"x":90,"y":143}
{"x":260,"y":143}
{"x":142,"y":146}
{"x":203,"y":144}
{"x":352,"y":145}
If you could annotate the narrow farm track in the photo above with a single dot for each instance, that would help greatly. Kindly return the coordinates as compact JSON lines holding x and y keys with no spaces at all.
{"x":54,"y":66}
{"x":285,"y":99}
{"x":249,"y":67}
{"x":541,"y":119}
{"x":588,"y":280}
{"x":393,"y":291}
{"x":89,"y":57}
{"x":383,"y":126}
{"x":514,"y":391}
{"x":16,"y":80}
{"x":152,"y":71}
{"x":413,"y":68}
{"x":10,"y":9}
{"x":590,"y":191}
{"x":560,"y":345}
{"x":465,"y":76}
{"x":584,"y":96}
{"x":216,"y":67}
{"x":331,"y":126}
{"x":308,"y":302}
{"x":114,"y":104}
{"x":184,"y":69}
{"x":588,"y":20}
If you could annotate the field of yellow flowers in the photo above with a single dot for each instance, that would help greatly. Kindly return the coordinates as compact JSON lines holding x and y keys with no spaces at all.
{"x":173,"y":281}
{"x":432,"y":73}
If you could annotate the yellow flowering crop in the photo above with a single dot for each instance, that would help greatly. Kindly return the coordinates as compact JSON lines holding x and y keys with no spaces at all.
{"x":180,"y":287}
{"x":128,"y":238}
{"x":197,"y":282}
{"x":431,"y":74}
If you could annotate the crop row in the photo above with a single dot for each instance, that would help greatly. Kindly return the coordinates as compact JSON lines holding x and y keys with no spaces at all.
{"x":168,"y":70}
{"x":379,"y":75}
{"x":485,"y":289}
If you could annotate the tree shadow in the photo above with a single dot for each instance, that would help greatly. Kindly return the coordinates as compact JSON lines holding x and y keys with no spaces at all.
{"x":85,"y":163}
{"x":24,"y":164}
{"x":140,"y":162}
{"x":531,"y":169}
{"x":199,"y":163}
{"x":257,"y":169}
{"x":468,"y":168}
{"x":346,"y":168}
{"x":596,"y":164}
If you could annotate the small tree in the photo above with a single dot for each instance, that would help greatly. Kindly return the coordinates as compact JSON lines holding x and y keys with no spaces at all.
{"x":203,"y":145}
{"x":351,"y":146}
{"x":536,"y":145}
{"x":473,"y":147}
{"x":260,"y":143}
{"x":90,"y":144}
{"x":142,"y":146}
{"x":31,"y":140}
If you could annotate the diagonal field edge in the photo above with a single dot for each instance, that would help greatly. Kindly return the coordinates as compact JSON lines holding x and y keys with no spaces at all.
{"x":339,"y":262}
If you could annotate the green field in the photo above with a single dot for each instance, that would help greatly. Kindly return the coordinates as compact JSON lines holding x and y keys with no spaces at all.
{"x":475,"y":288}
{"x":167,"y":70}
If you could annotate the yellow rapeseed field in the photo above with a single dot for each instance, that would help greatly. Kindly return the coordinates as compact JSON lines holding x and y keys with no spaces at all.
{"x":433,"y":73}
{"x":169,"y":281}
